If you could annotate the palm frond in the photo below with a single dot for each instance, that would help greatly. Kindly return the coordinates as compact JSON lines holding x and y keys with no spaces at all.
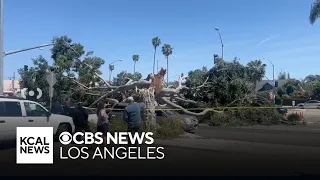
{"x":314,"y":12}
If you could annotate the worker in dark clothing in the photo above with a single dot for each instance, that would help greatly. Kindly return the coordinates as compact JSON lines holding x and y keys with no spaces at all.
{"x":132,"y":116}
{"x":57,"y":108}
{"x":80,"y":119}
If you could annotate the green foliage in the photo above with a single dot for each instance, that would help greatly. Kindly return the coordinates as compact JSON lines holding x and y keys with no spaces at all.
{"x":118,"y":125}
{"x":196,"y":77}
{"x":123,"y":77}
{"x":284,"y":75}
{"x":306,"y":88}
{"x":66,"y":60}
{"x":314,"y":12}
{"x":256,"y":70}
{"x":245,"y":117}
{"x":285,"y":96}
{"x":293,"y":117}
{"x":135,"y":59}
{"x":35,"y":77}
{"x":167,"y":50}
{"x":228,"y":81}
{"x":169,"y":128}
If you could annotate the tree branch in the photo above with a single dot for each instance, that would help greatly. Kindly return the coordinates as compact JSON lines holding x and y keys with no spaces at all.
{"x":204,"y":112}
{"x":139,"y":84}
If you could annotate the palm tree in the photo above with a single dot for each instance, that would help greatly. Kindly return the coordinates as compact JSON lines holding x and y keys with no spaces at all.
{"x":167,"y":51}
{"x":135,"y":58}
{"x":314,"y":12}
{"x":257,"y":71}
{"x":155,"y":42}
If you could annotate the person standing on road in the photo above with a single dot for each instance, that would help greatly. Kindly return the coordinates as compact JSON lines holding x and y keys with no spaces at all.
{"x":103,"y":121}
{"x":80,"y":119}
{"x":132,"y":116}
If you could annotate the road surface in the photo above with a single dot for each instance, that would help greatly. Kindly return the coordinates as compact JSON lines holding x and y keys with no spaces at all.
{"x":288,"y":135}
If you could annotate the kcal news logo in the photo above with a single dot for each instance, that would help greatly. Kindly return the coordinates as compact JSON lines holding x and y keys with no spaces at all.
{"x":34,"y":145}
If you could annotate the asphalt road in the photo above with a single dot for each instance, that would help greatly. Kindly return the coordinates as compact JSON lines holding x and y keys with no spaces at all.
{"x":177,"y":161}
{"x":291,"y":136}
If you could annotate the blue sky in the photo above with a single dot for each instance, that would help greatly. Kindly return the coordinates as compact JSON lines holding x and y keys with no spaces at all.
{"x":251,"y":29}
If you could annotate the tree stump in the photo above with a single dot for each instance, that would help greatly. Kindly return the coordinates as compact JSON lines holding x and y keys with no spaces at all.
{"x":149,"y":109}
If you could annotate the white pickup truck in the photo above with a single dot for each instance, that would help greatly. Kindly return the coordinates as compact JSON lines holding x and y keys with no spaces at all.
{"x":19,"y":112}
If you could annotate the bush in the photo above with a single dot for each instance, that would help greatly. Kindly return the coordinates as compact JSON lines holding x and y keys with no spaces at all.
{"x":118,"y":125}
{"x":169,"y":128}
{"x":294,"y":117}
{"x":246,"y":117}
{"x":285,"y":96}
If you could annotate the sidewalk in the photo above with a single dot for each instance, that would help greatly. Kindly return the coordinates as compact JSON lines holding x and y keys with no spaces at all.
{"x":243,"y":147}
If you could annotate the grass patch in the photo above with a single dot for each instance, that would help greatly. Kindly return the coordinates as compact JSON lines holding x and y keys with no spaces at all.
{"x":169,"y":128}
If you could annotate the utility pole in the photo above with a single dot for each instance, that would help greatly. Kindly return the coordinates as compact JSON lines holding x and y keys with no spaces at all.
{"x":1,"y":47}
{"x":13,"y":78}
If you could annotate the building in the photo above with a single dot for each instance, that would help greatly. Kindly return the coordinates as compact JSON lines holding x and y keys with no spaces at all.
{"x":11,"y":85}
{"x":267,"y":85}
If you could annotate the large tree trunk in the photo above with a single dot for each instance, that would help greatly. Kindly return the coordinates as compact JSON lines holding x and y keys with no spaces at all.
{"x":154,"y":58}
{"x":149,"y":115}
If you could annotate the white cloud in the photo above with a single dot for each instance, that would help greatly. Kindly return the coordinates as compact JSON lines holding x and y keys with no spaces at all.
{"x":269,"y":38}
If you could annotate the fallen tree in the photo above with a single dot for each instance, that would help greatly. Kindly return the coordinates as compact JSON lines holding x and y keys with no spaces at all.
{"x":151,"y":92}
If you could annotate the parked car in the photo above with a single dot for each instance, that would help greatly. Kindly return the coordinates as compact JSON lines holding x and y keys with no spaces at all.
{"x":310,"y":104}
{"x":190,"y":123}
{"x":19,"y":112}
{"x":282,"y":110}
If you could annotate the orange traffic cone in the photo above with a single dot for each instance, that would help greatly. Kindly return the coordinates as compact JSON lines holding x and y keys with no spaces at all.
{"x":302,"y":115}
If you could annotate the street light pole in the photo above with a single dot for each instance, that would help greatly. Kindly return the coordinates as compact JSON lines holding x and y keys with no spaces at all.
{"x":274,"y":83}
{"x":110,"y":68}
{"x":272,"y":68}
{"x":27,"y":49}
{"x":217,"y":29}
{"x":1,"y":47}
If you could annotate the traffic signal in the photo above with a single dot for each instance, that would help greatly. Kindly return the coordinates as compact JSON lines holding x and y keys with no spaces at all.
{"x":215,"y":56}
{"x":276,"y":84}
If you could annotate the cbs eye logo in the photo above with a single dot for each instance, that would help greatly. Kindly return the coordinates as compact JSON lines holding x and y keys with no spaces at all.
{"x":65,"y":138}
{"x":25,"y":91}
